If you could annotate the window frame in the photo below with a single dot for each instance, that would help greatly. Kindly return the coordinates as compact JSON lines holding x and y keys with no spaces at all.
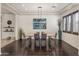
{"x":71,"y":23}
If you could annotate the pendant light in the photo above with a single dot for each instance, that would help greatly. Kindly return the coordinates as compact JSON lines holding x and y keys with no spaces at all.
{"x":39,"y":17}
{"x":39,"y":12}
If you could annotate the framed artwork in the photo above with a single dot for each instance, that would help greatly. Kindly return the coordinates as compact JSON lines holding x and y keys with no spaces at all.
{"x":39,"y":23}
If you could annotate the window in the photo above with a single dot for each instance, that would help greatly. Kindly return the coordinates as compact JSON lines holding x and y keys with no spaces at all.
{"x":39,"y":23}
{"x":67,"y":23}
{"x":64,"y":28}
{"x":71,"y":23}
{"x":75,"y":22}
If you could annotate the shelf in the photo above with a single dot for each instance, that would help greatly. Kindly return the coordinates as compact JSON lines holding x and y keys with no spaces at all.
{"x":8,"y":27}
{"x":8,"y":31}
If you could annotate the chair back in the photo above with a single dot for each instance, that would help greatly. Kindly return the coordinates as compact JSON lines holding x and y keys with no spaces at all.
{"x":43,"y":36}
{"x":36,"y":36}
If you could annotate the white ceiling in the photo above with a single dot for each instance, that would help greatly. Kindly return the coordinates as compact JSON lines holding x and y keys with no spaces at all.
{"x":23,"y":8}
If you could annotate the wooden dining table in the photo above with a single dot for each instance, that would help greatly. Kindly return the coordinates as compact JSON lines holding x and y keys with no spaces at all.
{"x":33,"y":41}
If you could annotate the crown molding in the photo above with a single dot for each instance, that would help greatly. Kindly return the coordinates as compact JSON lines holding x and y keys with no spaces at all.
{"x":9,"y":8}
{"x":36,"y":13}
{"x":68,"y":7}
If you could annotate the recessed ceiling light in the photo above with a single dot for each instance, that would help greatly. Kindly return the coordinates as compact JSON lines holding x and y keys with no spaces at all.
{"x":54,"y":6}
{"x":23,"y":5}
{"x":39,"y":7}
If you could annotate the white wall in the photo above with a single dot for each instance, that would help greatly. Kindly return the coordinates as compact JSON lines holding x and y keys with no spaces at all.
{"x":17,"y":26}
{"x":71,"y":38}
{"x":0,"y":28}
{"x":26,"y":23}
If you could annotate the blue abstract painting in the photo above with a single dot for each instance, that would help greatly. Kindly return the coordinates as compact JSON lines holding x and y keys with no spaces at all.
{"x":39,"y":23}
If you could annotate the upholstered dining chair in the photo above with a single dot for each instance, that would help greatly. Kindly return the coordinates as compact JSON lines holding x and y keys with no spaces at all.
{"x":37,"y":40}
{"x":43,"y":40}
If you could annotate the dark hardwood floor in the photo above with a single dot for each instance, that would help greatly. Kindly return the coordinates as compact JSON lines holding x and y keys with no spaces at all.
{"x":18,"y":48}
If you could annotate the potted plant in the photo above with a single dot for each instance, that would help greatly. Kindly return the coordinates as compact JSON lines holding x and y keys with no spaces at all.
{"x":21,"y":34}
{"x":59,"y":33}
